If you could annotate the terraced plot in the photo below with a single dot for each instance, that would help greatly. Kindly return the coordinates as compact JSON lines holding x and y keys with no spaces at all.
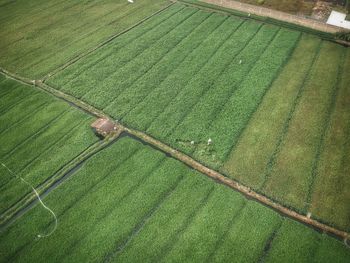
{"x":131,"y":203}
{"x":266,"y":96}
{"x":38,"y":36}
{"x":38,"y":135}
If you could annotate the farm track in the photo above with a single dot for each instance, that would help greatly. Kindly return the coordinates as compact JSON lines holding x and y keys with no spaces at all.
{"x":191,"y":162}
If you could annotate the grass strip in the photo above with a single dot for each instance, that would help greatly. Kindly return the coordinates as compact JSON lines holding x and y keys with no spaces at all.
{"x":262,"y":134}
{"x":330,"y":197}
{"x":291,"y":173}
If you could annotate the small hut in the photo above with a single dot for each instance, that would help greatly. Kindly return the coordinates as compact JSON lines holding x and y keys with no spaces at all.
{"x":103,"y":127}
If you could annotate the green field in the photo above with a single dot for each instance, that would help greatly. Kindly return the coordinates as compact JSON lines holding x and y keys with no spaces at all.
{"x":38,"y":36}
{"x":131,"y":203}
{"x":39,"y":134}
{"x":272,"y":101}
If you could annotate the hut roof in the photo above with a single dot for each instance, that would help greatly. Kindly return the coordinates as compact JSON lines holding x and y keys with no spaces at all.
{"x":103,"y":126}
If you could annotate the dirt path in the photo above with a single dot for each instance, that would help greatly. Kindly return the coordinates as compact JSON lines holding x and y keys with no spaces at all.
{"x":262,"y":11}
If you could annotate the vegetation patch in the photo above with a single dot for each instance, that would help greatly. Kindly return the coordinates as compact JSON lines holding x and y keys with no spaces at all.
{"x":38,"y":135}
{"x":146,"y":206}
{"x":39,"y":37}
{"x":188,"y":75}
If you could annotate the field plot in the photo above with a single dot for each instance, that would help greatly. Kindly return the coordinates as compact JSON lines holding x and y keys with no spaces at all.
{"x":267,"y":97}
{"x":38,"y":135}
{"x":131,"y":203}
{"x":38,"y":36}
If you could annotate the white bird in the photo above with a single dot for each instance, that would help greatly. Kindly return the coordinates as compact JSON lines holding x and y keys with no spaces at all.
{"x":192,"y":142}
{"x":131,"y":1}
{"x":209,"y":141}
{"x":240,"y":62}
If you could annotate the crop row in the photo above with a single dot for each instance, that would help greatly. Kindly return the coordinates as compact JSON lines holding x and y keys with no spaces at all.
{"x":288,"y":134}
{"x":67,"y":29}
{"x":137,"y":204}
{"x":186,"y":76}
{"x":157,"y":82}
{"x":332,"y":181}
{"x":293,"y":166}
{"x":136,"y":68}
{"x":38,"y":135}
{"x":69,"y":77}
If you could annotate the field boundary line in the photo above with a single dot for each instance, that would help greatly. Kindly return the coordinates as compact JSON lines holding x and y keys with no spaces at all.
{"x":103,"y":43}
{"x":63,"y":173}
{"x":192,"y":163}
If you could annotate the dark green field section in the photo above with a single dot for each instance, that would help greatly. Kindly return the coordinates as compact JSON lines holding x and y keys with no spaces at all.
{"x":132,"y":203}
{"x":274,"y":102}
{"x":38,"y":135}
{"x":38,"y":36}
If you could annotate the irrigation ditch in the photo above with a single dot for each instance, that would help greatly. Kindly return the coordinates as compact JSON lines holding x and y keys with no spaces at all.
{"x":171,"y":152}
{"x":62,"y":174}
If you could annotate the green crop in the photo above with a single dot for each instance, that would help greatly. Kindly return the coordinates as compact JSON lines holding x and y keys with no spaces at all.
{"x":130,"y":202}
